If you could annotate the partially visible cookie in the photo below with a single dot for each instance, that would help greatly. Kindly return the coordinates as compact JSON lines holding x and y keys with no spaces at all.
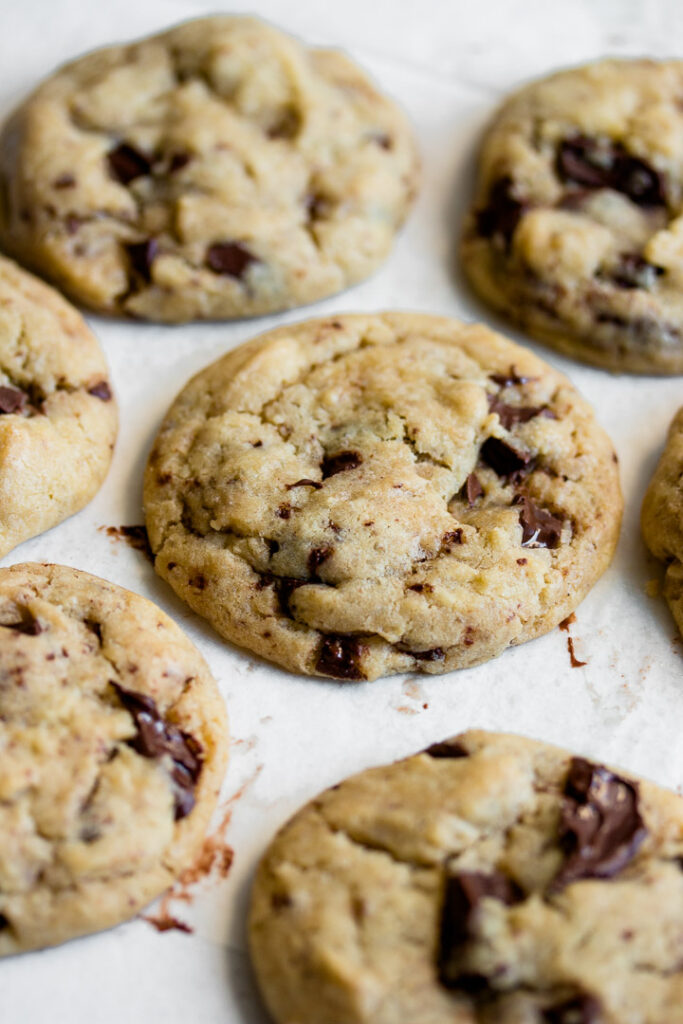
{"x":489,"y":879}
{"x":113,"y":741}
{"x":220,"y":169}
{"x":662,"y":516}
{"x":57,"y":412}
{"x":576,"y":230}
{"x":363,"y":495}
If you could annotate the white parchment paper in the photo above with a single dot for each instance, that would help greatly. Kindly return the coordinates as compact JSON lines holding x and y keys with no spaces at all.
{"x":447,"y":62}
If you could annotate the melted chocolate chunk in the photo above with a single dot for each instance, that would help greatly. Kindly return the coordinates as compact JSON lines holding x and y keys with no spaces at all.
{"x":471,"y":489}
{"x":579,"y":1010}
{"x":447,"y":749}
{"x":101,"y":390}
{"x":229,"y":258}
{"x":601,"y":827}
{"x":600,"y":163}
{"x":305,"y":483}
{"x":508,"y":380}
{"x":178,"y":161}
{"x":509,"y":415}
{"x":505,"y":460}
{"x":28,"y":625}
{"x":341,"y":657}
{"x":127,"y":163}
{"x":142,"y":256}
{"x":540,"y":528}
{"x":284,"y":587}
{"x":317,"y":557}
{"x":462,"y":894}
{"x":433,"y":654}
{"x":12,"y":399}
{"x":502,"y":213}
{"x":452,"y":537}
{"x":340,"y":462}
{"x":4,"y":922}
{"x":633,"y":271}
{"x":156,"y":737}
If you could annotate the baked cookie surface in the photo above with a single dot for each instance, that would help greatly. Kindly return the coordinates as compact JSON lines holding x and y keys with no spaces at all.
{"x":112,"y":740}
{"x":363,"y":495}
{"x":58,"y":417}
{"x":489,"y":879}
{"x":662,"y":516}
{"x":217,"y":170}
{"x":576,"y":231}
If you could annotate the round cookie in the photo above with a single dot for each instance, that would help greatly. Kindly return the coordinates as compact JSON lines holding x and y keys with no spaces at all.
{"x":113,"y":738}
{"x":662,"y":516}
{"x":362,"y":495}
{"x":217,"y":170}
{"x":58,"y":418}
{"x":489,"y":879}
{"x":576,"y":231}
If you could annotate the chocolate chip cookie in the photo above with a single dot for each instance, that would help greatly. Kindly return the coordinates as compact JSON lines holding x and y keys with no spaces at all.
{"x":362,"y":495}
{"x":662,"y":516}
{"x":217,"y":170}
{"x":58,"y":416}
{"x":576,"y":231}
{"x":113,"y":740}
{"x":490,"y":878}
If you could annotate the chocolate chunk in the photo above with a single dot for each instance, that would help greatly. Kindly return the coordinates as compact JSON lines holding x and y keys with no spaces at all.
{"x":305,"y":483}
{"x":317,"y":206}
{"x":273,"y":546}
{"x":127,"y":163}
{"x":421,"y":588}
{"x":156,"y":737}
{"x":4,"y":922}
{"x":502,"y":213}
{"x":600,"y":827}
{"x":341,"y":657}
{"x":511,"y":414}
{"x":447,"y":749}
{"x":142,"y":256}
{"x":229,"y":258}
{"x":12,"y":399}
{"x":317,"y":557}
{"x":508,"y":380}
{"x":340,"y":462}
{"x":600,"y":163}
{"x":462,"y":895}
{"x":64,"y":181}
{"x":471,"y":489}
{"x":382,"y":140}
{"x":433,"y":654}
{"x":101,"y":390}
{"x":504,"y":459}
{"x":579,"y":1010}
{"x":452,"y":537}
{"x":284,"y":511}
{"x":633,"y":271}
{"x":540,"y":528}
{"x":28,"y":625}
{"x":284,"y":587}
{"x":178,"y":161}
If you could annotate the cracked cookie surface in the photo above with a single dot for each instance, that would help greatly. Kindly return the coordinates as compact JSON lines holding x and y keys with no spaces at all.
{"x":58,"y":416}
{"x":217,"y":170}
{"x":489,"y":879}
{"x":362,"y":495}
{"x":113,"y":740}
{"x":576,"y":230}
{"x":662,"y":516}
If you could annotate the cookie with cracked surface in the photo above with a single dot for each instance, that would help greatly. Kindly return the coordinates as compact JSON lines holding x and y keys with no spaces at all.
{"x":113,"y":739}
{"x":363,"y":495}
{"x":576,"y":231}
{"x":662,"y":516}
{"x":489,"y":879}
{"x":220,"y":169}
{"x":58,"y":417}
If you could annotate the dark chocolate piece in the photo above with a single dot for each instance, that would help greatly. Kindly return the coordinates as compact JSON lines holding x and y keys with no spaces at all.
{"x":447,"y":749}
{"x":142,"y":256}
{"x":511,"y":414}
{"x":178,"y":161}
{"x":508,"y":380}
{"x":341,"y":657}
{"x":340,"y":462}
{"x":12,"y":400}
{"x":471,"y":489}
{"x":315,"y":484}
{"x":540,"y":528}
{"x":28,"y":625}
{"x":462,"y":894}
{"x":579,"y":1010}
{"x":101,"y":390}
{"x":229,"y":258}
{"x":317,"y":557}
{"x":452,"y":537}
{"x":127,"y":163}
{"x":601,"y":827}
{"x":502,"y":213}
{"x":600,"y":163}
{"x":433,"y":654}
{"x":156,"y":737}
{"x":505,"y":460}
{"x":633,"y":271}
